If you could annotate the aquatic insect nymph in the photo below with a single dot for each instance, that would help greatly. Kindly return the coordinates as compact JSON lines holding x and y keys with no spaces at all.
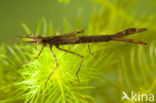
{"x":72,"y":38}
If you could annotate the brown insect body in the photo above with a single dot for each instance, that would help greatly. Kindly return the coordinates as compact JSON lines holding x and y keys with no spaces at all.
{"x":84,"y":39}
{"x":72,"y":38}
{"x":59,"y":40}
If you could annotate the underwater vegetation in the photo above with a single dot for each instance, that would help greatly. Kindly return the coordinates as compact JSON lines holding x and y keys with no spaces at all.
{"x":113,"y":68}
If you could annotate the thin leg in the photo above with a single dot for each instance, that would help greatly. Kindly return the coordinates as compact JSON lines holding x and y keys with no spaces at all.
{"x":76,"y":32}
{"x":73,"y":54}
{"x":33,"y":58}
{"x":55,"y":67}
{"x":88,"y":45}
{"x":90,"y":50}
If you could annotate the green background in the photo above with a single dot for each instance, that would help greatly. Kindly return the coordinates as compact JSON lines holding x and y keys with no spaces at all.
{"x":15,"y":12}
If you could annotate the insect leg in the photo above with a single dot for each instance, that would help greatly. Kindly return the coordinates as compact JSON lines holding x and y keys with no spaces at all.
{"x":55,"y":67}
{"x":73,"y":54}
{"x":33,"y":58}
{"x":88,"y":44}
{"x":76,"y":32}
{"x":90,"y":50}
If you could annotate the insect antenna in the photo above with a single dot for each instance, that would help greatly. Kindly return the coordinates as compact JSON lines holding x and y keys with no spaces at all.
{"x":21,"y":37}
